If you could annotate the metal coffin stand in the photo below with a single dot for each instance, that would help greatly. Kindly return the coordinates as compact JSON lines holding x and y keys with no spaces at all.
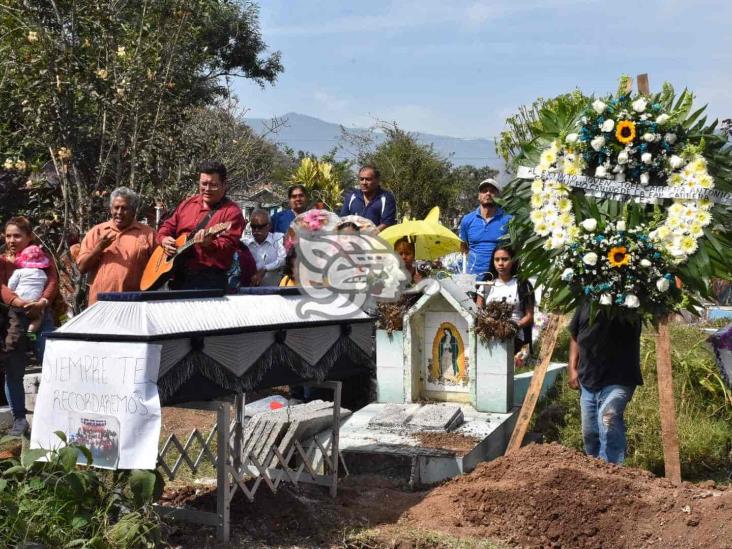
{"x":235,"y":466}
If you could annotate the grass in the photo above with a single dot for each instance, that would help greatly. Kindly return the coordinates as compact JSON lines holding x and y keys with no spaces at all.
{"x":703,"y":409}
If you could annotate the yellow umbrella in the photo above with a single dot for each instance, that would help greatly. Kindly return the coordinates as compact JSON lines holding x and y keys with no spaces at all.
{"x":431,"y":239}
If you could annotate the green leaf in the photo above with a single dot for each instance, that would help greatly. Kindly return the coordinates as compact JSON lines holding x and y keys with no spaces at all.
{"x":29,"y":457}
{"x":79,"y":522}
{"x":3,"y":484}
{"x":142,"y":486}
{"x":16,"y":470}
{"x":67,"y":458}
{"x":86,"y":453}
{"x":61,"y":435}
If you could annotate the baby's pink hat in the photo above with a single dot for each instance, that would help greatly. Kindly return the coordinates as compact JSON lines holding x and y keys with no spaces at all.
{"x":32,"y":257}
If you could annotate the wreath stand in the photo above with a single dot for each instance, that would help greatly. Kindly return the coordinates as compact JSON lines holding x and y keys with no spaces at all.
{"x":311,"y":461}
{"x":667,"y":409}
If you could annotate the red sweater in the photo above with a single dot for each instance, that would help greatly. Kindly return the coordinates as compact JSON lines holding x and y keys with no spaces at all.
{"x":187,"y":216}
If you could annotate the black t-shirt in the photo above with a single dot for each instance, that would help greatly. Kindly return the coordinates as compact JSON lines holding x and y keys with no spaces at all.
{"x":609,"y":349}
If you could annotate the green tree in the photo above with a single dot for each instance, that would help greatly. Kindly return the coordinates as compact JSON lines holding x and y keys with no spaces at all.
{"x":467,"y":179}
{"x":95,"y":95}
{"x":320,"y":180}
{"x":417,"y":175}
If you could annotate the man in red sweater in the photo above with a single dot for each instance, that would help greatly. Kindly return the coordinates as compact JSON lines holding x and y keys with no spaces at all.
{"x":205,"y":265}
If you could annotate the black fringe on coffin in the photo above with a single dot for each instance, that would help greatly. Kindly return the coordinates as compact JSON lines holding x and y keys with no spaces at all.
{"x":197,"y":361}
{"x":278,"y":353}
{"x":343,"y":347}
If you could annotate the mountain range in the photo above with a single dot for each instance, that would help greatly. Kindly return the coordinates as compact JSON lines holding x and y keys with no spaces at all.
{"x":313,"y":135}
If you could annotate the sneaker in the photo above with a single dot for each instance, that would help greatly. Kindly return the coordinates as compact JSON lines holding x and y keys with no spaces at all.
{"x":19,"y":428}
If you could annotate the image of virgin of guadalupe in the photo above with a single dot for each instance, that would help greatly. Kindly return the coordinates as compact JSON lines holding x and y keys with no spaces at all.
{"x":448,"y":356}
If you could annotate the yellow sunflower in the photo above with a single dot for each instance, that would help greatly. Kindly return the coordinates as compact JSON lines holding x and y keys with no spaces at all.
{"x":618,"y":256}
{"x":625,"y":131}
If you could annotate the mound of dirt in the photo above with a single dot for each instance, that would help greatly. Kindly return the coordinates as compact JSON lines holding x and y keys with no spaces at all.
{"x":551,"y":496}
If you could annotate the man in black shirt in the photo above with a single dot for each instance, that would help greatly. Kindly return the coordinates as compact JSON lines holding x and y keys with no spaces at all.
{"x":604,"y":364}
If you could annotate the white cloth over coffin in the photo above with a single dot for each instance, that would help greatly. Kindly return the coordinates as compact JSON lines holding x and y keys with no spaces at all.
{"x":236,"y":352}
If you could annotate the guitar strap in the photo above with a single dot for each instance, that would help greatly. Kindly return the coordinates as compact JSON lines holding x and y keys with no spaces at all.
{"x":206,"y":218}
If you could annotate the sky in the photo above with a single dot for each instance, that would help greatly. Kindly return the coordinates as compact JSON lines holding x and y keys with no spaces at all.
{"x":459,"y":67}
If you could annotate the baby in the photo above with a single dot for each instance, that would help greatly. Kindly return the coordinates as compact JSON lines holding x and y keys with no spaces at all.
{"x":29,"y":280}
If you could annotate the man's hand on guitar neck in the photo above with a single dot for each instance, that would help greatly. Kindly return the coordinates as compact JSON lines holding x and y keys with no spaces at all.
{"x":168,"y":244}
{"x":204,"y":239}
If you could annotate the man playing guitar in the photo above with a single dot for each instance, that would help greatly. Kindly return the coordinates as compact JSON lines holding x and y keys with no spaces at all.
{"x":209,"y":259}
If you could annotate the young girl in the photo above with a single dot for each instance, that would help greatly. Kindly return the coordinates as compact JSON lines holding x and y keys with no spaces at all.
{"x":507,"y":287}
{"x":28,"y":282}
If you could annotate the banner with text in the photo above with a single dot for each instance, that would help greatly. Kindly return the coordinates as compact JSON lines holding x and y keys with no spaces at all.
{"x":103,"y":396}
{"x":609,"y":188}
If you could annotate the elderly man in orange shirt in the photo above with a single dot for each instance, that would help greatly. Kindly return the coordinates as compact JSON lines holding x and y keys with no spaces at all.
{"x":116,"y":252}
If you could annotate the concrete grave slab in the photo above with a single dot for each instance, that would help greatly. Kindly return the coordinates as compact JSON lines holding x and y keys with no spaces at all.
{"x":436,"y":417}
{"x":6,"y":417}
{"x":394,"y":416}
{"x":31,"y":383}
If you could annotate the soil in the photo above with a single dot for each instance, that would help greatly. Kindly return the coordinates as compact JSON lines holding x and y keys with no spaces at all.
{"x":542,"y":496}
{"x":551,"y":496}
{"x":456,"y":442}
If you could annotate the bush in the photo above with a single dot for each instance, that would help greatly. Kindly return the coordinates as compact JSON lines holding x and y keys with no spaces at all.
{"x":703,"y":409}
{"x":57,"y":504}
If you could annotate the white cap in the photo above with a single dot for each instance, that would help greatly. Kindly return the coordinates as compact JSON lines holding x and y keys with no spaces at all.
{"x":490,"y":181}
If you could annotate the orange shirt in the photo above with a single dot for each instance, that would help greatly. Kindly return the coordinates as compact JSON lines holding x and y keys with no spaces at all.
{"x":121,"y":265}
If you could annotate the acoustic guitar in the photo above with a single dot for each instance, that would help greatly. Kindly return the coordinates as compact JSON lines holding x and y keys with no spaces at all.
{"x":160,"y":267}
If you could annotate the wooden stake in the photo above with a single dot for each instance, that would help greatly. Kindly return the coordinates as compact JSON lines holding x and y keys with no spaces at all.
{"x":669,"y":431}
{"x":643,"y":86}
{"x":549,"y":341}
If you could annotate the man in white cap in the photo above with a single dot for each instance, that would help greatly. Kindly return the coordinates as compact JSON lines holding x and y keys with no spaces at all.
{"x":481,"y":229}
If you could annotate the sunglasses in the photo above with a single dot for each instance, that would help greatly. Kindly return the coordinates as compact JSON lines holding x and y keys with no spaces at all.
{"x":256,"y":227}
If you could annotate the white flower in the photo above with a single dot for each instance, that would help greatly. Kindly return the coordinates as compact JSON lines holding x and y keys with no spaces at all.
{"x":620,"y":225}
{"x":670,"y":138}
{"x":639,"y":105}
{"x":9,"y":164}
{"x":600,"y":171}
{"x":32,"y":36}
{"x":644,"y":178}
{"x":662,"y":118}
{"x":589,"y":224}
{"x":676,"y":162}
{"x":606,"y":299}
{"x":631,"y":301}
{"x":608,"y":125}
{"x":663,"y":284}
{"x":623,"y":157}
{"x":572,"y":138}
{"x":597,"y":142}
{"x":645,"y":263}
{"x":20,"y":165}
{"x":121,"y":51}
{"x":647,"y":158}
{"x":599,"y":106}
{"x":648,"y":137}
{"x":102,"y":73}
{"x":567,"y":275}
{"x":590,"y":259}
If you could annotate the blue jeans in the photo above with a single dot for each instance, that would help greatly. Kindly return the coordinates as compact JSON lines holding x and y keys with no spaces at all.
{"x":15,"y":363}
{"x":603,"y":425}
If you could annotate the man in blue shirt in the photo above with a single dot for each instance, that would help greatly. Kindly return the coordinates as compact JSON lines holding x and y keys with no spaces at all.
{"x":480,"y":230}
{"x":297,"y":196}
{"x":370,"y":200}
